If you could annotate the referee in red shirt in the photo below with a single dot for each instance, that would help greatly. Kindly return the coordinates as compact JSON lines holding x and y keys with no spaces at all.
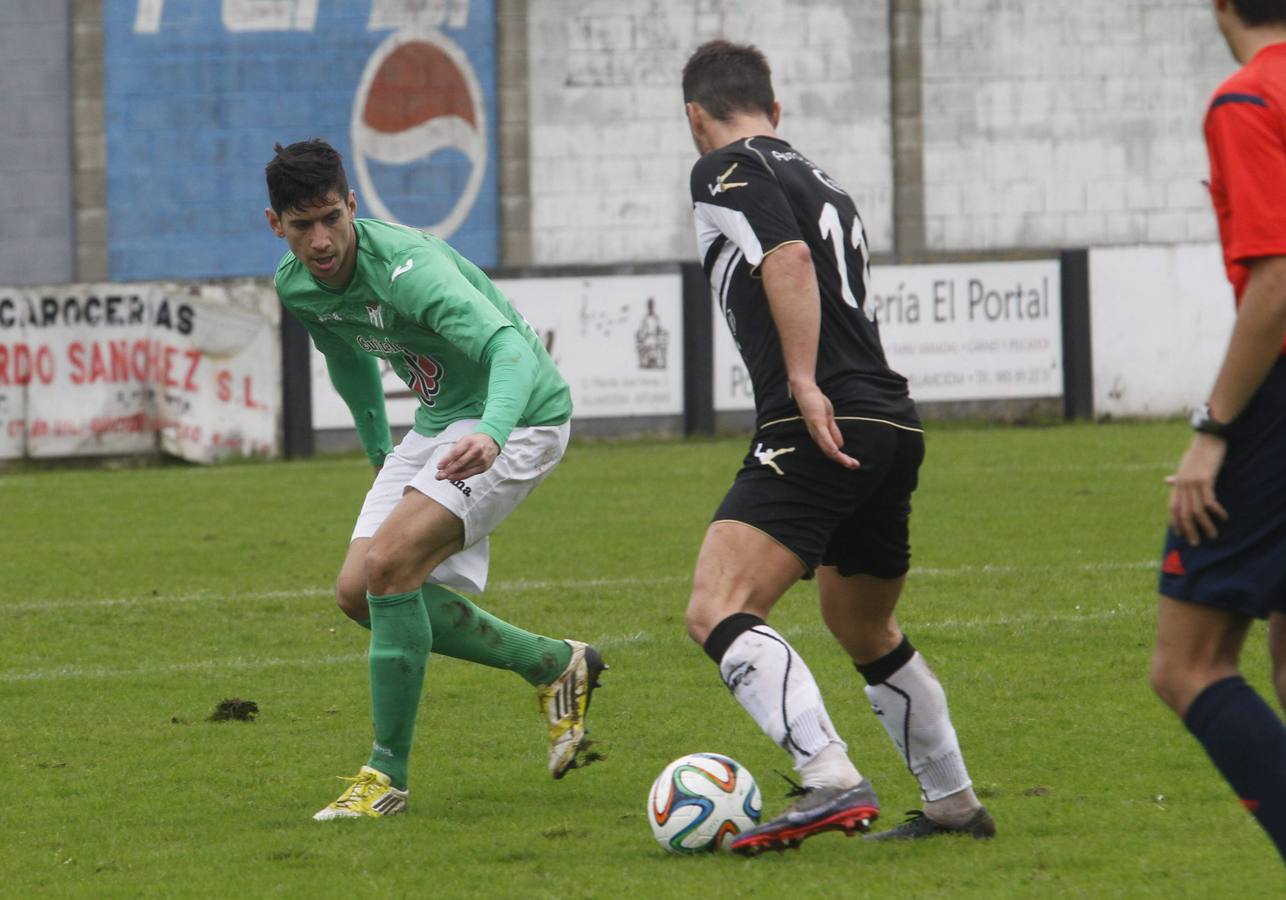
{"x":1224,"y":562}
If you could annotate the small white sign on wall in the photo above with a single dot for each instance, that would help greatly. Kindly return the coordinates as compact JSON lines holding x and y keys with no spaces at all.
{"x":1160,"y":321}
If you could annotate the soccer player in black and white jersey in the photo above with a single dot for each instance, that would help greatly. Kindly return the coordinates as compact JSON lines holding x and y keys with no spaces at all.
{"x":825,"y":489}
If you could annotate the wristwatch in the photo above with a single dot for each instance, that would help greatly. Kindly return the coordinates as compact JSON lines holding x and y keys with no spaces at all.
{"x":1205,"y":423}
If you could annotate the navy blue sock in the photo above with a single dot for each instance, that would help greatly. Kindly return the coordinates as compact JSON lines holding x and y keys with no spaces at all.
{"x":1247,"y":743}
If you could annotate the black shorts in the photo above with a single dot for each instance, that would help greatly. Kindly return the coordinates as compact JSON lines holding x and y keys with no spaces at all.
{"x":1243,"y":569}
{"x":856,"y":520}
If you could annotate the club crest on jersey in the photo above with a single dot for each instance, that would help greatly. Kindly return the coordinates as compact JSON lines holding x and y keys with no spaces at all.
{"x":722,"y":185}
{"x":376,"y":314}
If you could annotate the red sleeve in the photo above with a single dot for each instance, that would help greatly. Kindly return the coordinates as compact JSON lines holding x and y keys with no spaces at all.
{"x":1248,"y":174}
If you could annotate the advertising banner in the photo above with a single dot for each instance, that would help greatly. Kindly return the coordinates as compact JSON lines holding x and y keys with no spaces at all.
{"x":617,"y":339}
{"x":114,"y":369}
{"x":197,"y":92}
{"x":956,"y":331}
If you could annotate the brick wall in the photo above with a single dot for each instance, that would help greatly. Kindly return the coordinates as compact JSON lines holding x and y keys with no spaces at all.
{"x":36,"y":230}
{"x":610,"y":150}
{"x":1058,"y":124}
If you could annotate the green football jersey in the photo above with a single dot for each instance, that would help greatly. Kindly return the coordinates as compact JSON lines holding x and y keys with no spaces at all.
{"x":416,"y":302}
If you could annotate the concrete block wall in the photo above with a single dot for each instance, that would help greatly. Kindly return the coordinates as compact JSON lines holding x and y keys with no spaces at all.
{"x":610,"y":151}
{"x":513,"y":113}
{"x":1065,"y":124}
{"x":89,"y":145}
{"x":37,"y":229}
{"x":1020,"y":125}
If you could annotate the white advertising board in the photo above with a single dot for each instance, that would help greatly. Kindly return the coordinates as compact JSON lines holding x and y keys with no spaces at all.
{"x":1160,"y":319}
{"x":617,"y":339}
{"x":193,"y":370}
{"x":957,"y":331}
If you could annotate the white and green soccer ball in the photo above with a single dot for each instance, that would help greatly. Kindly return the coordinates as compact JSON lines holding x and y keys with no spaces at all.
{"x":701,"y":801}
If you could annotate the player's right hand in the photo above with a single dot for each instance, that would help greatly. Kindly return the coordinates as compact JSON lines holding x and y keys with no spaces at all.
{"x":819,"y":416}
{"x":1193,"y":504}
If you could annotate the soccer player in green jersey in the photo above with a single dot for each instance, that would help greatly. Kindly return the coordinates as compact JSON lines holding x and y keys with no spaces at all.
{"x":491,"y":424}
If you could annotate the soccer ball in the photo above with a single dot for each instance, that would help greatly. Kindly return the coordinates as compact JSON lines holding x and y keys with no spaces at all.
{"x":701,"y":801}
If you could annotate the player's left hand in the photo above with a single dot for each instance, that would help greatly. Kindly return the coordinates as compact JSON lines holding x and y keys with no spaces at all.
{"x":819,"y":416}
{"x":1193,"y":504}
{"x":472,"y":455}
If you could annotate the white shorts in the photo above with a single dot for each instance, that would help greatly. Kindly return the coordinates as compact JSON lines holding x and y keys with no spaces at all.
{"x":481,"y":502}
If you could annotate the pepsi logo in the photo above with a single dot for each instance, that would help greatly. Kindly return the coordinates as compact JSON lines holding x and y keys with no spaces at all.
{"x":419,"y":132}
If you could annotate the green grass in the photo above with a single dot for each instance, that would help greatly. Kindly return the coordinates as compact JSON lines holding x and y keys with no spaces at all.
{"x":133,"y":601}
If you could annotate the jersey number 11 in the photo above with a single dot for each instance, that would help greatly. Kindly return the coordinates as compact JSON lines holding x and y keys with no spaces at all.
{"x":831,"y":227}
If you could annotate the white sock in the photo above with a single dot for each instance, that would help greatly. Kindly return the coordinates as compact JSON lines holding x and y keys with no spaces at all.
{"x":831,"y":767}
{"x":913,"y":709}
{"x":771,"y":682}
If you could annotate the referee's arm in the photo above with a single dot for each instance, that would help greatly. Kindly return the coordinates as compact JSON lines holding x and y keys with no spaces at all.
{"x":1253,"y":349}
{"x":790,"y":282}
{"x":1256,"y":340}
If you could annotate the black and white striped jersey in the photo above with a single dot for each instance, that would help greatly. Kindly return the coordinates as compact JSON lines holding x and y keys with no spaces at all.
{"x":751,"y":197}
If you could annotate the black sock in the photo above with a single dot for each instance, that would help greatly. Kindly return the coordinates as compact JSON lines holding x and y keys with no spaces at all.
{"x":882,"y":669}
{"x":1247,"y":743}
{"x":727,"y":631}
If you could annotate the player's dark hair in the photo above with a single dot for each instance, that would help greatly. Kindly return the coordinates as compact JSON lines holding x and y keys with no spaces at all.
{"x":727,"y":78}
{"x":304,"y":174}
{"x":1260,"y":12}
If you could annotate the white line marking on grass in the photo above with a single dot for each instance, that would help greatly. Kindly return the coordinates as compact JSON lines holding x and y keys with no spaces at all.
{"x":150,"y":599}
{"x":204,"y":667}
{"x":674,"y":636}
{"x":518,"y":585}
{"x":990,"y":569}
{"x":521,"y":585}
{"x":947,"y":468}
{"x":643,"y":638}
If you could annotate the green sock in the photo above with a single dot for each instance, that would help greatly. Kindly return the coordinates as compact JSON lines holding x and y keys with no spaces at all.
{"x":464,"y":631}
{"x":400,"y":640}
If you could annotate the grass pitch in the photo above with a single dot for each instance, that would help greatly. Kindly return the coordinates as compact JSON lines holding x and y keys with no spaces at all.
{"x":136,"y":601}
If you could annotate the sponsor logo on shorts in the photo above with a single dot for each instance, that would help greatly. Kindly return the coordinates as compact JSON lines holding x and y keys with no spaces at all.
{"x":464,"y":488}
{"x":766,"y":457}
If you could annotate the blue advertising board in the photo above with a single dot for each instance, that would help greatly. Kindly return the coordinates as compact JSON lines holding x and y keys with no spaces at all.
{"x":197,"y":92}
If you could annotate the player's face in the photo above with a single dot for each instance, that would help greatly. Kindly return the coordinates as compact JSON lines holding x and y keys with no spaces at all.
{"x":321,"y":236}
